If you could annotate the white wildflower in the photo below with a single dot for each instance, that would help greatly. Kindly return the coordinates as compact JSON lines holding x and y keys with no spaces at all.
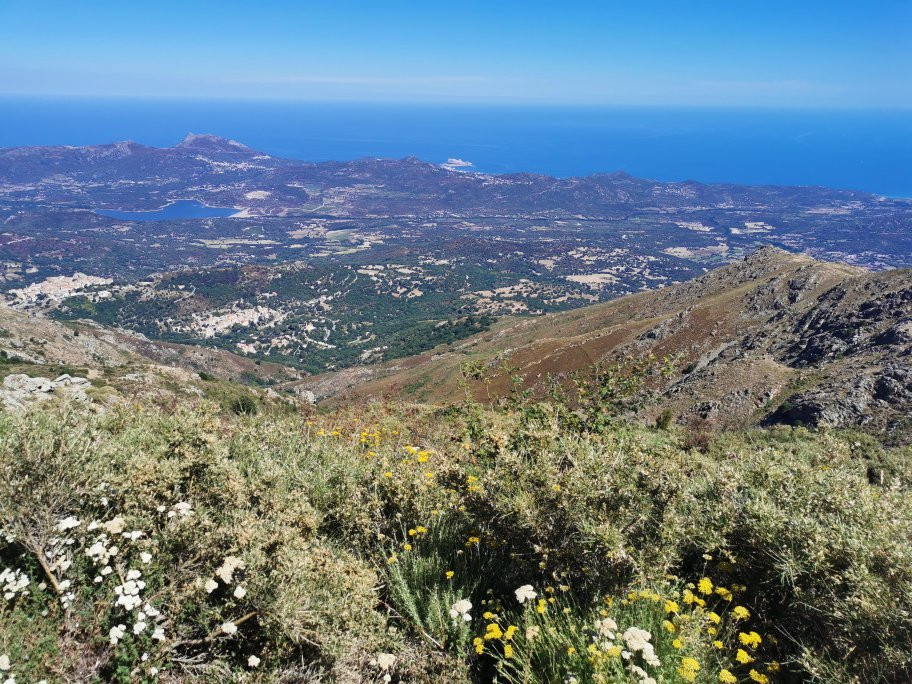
{"x":229,"y":565}
{"x":4,"y":663}
{"x":229,"y":628}
{"x":253,"y":661}
{"x":525,"y":593}
{"x":636,"y":638}
{"x":182,"y":509}
{"x":461,"y":609}
{"x":115,"y":525}
{"x":13,"y":583}
{"x":210,"y":586}
{"x":145,"y":557}
{"x":139,"y":627}
{"x":67,"y":524}
{"x":385,"y":661}
{"x":606,"y":627}
{"x":158,"y":634}
{"x":117,"y":633}
{"x":240,"y":592}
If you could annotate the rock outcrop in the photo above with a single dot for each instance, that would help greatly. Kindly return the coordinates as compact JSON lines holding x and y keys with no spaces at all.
{"x":19,"y":390}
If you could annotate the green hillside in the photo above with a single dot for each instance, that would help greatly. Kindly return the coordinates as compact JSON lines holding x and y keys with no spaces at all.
{"x":414,"y":543}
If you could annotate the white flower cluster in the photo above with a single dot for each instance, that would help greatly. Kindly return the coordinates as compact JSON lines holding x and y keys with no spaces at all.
{"x":180,"y":510}
{"x":225,"y":572}
{"x":59,"y":558}
{"x":460,"y":610}
{"x":103,"y":551}
{"x":13,"y":583}
{"x":385,"y":662}
{"x":634,"y":641}
{"x":606,"y":628}
{"x":128,"y":592}
{"x":525,"y":593}
{"x":638,"y":640}
{"x":229,"y":565}
{"x":5,"y":667}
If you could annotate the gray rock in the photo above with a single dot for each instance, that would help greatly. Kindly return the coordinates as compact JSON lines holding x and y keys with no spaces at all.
{"x":20,"y":390}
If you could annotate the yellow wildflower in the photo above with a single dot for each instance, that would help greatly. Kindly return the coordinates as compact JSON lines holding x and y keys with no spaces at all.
{"x":705,"y":586}
{"x":492,"y":631}
{"x":669,"y":626}
{"x":751,"y":639}
{"x":677,"y":644}
{"x":714,"y":617}
{"x":757,"y":677}
{"x":671,"y":606}
{"x":743,"y":657}
{"x":740,"y":613}
{"x":727,"y":677}
{"x":718,"y":644}
{"x":690,"y":664}
{"x":449,"y":574}
{"x":508,"y":651}
{"x":511,"y":630}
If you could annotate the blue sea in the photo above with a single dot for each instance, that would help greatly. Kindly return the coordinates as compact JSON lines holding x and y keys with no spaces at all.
{"x":857,"y":149}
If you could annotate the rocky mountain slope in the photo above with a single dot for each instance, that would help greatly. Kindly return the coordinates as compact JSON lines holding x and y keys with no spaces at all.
{"x":41,"y":358}
{"x":775,"y":338}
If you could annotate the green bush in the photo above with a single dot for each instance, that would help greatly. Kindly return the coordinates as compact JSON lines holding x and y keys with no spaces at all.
{"x":348,"y":546}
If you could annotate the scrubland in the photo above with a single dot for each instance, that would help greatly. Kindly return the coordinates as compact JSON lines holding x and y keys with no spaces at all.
{"x":398,"y":542}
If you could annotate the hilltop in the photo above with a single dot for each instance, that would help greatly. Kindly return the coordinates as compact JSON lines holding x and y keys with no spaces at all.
{"x":776,"y":337}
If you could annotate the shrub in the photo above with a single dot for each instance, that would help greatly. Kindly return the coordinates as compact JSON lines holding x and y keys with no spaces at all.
{"x":350,"y":546}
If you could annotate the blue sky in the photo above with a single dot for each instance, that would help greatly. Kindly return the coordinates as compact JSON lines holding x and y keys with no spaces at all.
{"x":739,"y":52}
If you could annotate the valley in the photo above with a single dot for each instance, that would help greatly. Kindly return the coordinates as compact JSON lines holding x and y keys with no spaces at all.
{"x":327,"y":265}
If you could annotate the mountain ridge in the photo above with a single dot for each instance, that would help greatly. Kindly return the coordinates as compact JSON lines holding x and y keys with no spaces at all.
{"x":750,"y":336}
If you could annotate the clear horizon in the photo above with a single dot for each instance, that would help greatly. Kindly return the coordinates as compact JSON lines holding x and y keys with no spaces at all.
{"x":842,"y":55}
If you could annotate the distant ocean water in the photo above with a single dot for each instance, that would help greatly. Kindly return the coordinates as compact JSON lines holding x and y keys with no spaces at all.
{"x":862,"y":150}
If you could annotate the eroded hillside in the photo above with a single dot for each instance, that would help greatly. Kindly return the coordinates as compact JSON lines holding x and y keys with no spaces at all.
{"x":777,"y":337}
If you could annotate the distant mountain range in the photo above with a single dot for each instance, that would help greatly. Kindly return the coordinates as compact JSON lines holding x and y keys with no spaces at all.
{"x":351,"y":263}
{"x":223,"y":173}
